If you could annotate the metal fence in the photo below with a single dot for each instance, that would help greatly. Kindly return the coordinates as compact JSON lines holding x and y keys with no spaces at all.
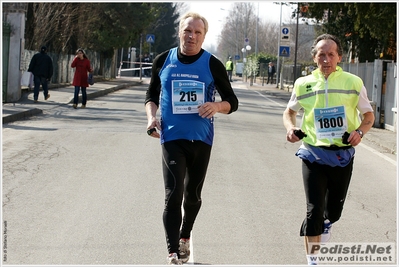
{"x":364,"y":70}
{"x":390,"y":99}
{"x":379,"y":78}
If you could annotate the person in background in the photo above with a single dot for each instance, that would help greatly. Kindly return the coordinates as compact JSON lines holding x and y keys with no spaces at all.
{"x":137,"y":67}
{"x":183,"y":84}
{"x":332,"y":100}
{"x":41,"y":66}
{"x":146,"y":65}
{"x":82,"y":67}
{"x":229,"y":69}
{"x":271,"y":70}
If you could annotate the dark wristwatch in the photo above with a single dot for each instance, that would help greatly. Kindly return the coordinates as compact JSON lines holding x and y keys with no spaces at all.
{"x":360,"y":132}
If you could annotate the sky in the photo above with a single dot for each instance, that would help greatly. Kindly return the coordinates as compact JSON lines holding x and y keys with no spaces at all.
{"x":212,"y":11}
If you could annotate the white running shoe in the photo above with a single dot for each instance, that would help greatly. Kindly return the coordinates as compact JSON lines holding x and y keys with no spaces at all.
{"x":326,"y":235}
{"x":172,"y":259}
{"x":184,"y":249}
{"x":312,"y":259}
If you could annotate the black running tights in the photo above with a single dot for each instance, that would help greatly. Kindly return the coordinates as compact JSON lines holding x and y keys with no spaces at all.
{"x":184,"y":165}
{"x":325,"y":189}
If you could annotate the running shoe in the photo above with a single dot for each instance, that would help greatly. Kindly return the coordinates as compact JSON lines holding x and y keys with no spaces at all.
{"x":312,"y":259}
{"x":325,"y":236}
{"x":184,"y":249}
{"x":172,"y":259}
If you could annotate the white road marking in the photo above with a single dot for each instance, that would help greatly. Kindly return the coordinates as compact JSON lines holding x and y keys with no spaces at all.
{"x":379,"y":154}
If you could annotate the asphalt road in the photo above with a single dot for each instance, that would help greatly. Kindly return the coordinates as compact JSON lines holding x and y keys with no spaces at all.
{"x":84,"y":187}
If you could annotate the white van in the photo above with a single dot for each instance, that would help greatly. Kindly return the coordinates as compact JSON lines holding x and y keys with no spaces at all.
{"x":239,"y":69}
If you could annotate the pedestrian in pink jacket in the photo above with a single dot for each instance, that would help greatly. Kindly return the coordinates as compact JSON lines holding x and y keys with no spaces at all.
{"x":82,"y":67}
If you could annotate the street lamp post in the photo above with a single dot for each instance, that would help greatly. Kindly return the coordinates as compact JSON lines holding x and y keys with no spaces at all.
{"x":279,"y":65}
{"x":244,"y":60}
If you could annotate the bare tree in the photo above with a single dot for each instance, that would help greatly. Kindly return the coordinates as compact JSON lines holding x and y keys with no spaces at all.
{"x":51,"y":24}
{"x":268,"y":35}
{"x":240,"y":24}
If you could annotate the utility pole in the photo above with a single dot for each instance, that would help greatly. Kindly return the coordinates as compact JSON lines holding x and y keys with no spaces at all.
{"x":141,"y":56}
{"x":296,"y":41}
{"x":256,"y":39}
{"x":278,"y":50}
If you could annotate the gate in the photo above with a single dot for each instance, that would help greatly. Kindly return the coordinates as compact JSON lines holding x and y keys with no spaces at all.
{"x":379,"y":78}
{"x":6,"y":52}
{"x":390,"y":91}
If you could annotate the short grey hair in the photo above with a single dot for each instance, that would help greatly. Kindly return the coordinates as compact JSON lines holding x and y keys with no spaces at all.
{"x":327,"y":36}
{"x":194,"y":16}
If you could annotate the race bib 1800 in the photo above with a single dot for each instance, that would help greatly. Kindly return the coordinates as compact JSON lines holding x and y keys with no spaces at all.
{"x":330,"y":122}
{"x":187,"y":96}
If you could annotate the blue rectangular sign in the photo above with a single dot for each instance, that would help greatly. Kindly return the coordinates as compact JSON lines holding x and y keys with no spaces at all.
{"x":150,"y":38}
{"x":284,"y":51}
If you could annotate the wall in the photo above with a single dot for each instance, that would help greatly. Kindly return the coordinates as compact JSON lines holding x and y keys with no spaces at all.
{"x":63,"y":73}
{"x":14,"y":14}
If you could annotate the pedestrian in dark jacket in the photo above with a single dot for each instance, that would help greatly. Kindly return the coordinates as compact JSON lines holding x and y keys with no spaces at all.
{"x":82,"y":67}
{"x":271,"y":70}
{"x":41,"y":66}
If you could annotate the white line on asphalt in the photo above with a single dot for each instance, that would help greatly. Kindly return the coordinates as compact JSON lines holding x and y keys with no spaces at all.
{"x":271,"y":100}
{"x":379,"y":154}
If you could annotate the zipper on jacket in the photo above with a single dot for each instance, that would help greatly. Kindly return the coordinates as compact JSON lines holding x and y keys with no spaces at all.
{"x":326,"y":90}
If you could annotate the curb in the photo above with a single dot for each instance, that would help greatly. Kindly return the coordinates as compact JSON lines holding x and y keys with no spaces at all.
{"x":104,"y":92}
{"x":35,"y":111}
{"x":22,"y":115}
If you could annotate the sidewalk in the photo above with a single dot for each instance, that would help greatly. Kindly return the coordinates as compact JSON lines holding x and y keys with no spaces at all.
{"x":62,"y":95}
{"x":382,"y":140}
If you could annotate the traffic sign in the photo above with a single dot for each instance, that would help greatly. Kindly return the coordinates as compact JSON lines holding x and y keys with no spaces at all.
{"x":284,"y":51}
{"x":236,"y":57}
{"x":246,"y":41}
{"x":150,"y":38}
{"x":285,"y":36}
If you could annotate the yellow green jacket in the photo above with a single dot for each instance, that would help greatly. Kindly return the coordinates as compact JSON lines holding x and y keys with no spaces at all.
{"x":330,"y":106}
{"x":229,"y":65}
